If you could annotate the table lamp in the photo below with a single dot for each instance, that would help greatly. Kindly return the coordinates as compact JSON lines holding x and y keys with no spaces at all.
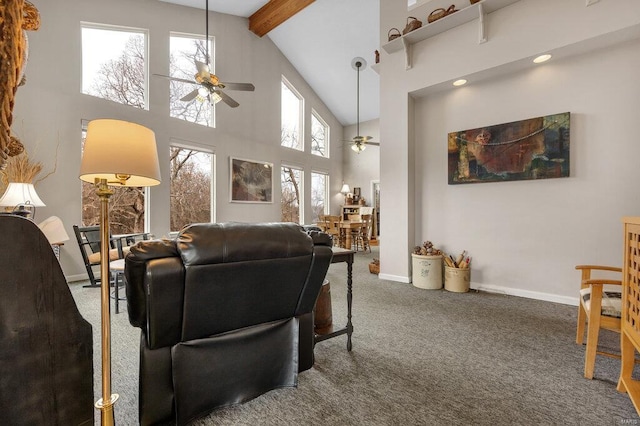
{"x":116,"y":153}
{"x":21,"y":196}
{"x":345,"y":191}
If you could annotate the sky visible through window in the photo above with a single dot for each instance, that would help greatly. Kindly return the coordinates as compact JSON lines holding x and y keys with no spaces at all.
{"x":99,"y":46}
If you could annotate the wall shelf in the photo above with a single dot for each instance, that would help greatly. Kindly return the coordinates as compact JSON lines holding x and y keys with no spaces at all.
{"x":468,"y":14}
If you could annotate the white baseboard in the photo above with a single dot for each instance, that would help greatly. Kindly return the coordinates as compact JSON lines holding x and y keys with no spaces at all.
{"x":397,"y":278}
{"x":565,"y":300}
{"x":77,"y":277}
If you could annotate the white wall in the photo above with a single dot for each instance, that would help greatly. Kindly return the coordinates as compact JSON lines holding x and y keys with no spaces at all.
{"x":360,"y":169}
{"x":525,"y":237}
{"x":50,"y":107}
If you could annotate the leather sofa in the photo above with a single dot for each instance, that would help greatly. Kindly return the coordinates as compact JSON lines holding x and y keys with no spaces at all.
{"x":226,"y":313}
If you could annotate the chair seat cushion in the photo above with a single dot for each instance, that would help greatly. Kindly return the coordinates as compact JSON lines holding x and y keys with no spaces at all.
{"x":113,"y":255}
{"x":611,"y":302}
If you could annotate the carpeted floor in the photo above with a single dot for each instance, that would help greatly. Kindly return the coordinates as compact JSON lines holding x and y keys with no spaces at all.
{"x":420,"y":357}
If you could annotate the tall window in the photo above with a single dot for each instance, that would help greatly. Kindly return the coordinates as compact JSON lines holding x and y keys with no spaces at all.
{"x":127,"y":205}
{"x":319,"y":188}
{"x":292,"y":110}
{"x":191,"y":187}
{"x":114,"y":64}
{"x":184,"y":50}
{"x":291,"y":182}
{"x":319,"y":135}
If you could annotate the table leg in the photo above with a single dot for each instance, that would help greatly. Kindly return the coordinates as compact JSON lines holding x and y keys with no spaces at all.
{"x":349,"y":300}
{"x":347,"y":239}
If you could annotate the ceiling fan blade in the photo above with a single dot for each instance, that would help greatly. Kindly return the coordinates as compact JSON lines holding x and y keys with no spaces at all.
{"x":227,"y":99}
{"x":190,"y":96}
{"x":202,"y":67}
{"x":239,"y":86}
{"x":176,"y":79}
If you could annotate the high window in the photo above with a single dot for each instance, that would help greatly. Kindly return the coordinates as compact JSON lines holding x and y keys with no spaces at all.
{"x":114,"y":64}
{"x":192,"y":183}
{"x":292,"y":110}
{"x":291,"y":183}
{"x":319,"y":195}
{"x":127,"y":205}
{"x":184,"y":50}
{"x":319,"y":135}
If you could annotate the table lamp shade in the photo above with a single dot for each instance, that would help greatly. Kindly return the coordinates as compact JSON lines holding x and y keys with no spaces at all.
{"x":53,"y":229}
{"x":115,"y":148}
{"x":345,"y":189}
{"x":18,"y":193}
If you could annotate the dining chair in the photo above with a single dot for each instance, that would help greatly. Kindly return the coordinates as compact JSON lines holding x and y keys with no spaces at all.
{"x":598,"y":309}
{"x":332,"y":227}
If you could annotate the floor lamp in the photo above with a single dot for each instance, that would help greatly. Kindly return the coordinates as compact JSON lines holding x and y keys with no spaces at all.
{"x":116,"y":153}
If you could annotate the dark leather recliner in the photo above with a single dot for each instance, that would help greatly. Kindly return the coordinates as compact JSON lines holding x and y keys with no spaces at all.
{"x":226,"y":313}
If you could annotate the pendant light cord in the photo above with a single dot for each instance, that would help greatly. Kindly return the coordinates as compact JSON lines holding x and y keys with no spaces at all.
{"x":358,"y":64}
{"x":206,"y":40}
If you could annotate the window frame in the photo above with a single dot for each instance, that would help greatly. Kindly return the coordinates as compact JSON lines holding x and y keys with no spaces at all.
{"x":120,"y":28}
{"x":296,"y":93}
{"x":301,"y":197}
{"x":212,"y":61}
{"x":315,"y":115}
{"x":326,"y":191}
{"x":177,"y":143}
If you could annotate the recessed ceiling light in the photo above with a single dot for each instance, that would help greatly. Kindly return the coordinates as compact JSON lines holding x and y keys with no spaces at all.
{"x":460,"y":82}
{"x":542,"y":58}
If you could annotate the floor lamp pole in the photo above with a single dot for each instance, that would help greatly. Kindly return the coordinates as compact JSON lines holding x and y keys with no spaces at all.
{"x":105,"y":404}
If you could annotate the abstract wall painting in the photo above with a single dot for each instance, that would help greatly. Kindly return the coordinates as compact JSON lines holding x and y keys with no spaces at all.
{"x":536,"y":148}
{"x":251,"y":181}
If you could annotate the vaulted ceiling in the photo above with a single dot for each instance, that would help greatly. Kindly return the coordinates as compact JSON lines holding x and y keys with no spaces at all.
{"x":320,"y":38}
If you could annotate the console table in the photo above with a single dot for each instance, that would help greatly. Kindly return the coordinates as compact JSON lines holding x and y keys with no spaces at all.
{"x":343,"y":255}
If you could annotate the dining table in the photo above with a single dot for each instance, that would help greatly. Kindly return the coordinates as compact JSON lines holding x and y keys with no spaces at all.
{"x":347,"y":226}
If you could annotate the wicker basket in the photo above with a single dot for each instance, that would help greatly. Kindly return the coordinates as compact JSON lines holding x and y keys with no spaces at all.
{"x":441,"y":13}
{"x":374,"y":268}
{"x":393,"y":34}
{"x":412,"y":24}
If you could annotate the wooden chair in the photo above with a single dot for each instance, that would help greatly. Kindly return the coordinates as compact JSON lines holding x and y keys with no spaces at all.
{"x":597,"y":309}
{"x":365,"y":232}
{"x":332,"y":227}
{"x":88,"y":238}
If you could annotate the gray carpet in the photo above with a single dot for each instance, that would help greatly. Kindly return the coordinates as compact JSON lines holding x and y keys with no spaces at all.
{"x":420,"y":357}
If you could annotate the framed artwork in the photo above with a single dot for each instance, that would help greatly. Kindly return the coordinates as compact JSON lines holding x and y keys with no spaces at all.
{"x":536,"y":148}
{"x":251,"y":181}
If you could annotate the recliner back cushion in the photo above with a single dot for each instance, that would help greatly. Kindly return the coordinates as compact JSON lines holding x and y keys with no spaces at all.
{"x":238,"y":274}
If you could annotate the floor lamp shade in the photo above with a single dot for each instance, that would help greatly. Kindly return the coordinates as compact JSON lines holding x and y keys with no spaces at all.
{"x":121,"y":152}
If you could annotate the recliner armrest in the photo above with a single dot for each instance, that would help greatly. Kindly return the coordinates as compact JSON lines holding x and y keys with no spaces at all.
{"x":136,"y":271}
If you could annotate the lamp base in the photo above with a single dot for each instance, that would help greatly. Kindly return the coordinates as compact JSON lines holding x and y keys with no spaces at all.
{"x":106,"y":410}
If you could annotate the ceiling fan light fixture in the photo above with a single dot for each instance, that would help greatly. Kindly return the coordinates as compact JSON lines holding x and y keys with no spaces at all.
{"x":358,"y":147}
{"x":203,"y":92}
{"x":215,"y":98}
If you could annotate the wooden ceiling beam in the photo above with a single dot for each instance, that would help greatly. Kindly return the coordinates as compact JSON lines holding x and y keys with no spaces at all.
{"x":275,"y":13}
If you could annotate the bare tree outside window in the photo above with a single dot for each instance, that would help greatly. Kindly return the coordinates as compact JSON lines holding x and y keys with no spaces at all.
{"x":291,"y":117}
{"x":319,"y":185}
{"x":291,"y":182}
{"x":121,"y":78}
{"x":184,"y":49}
{"x":113,"y":65}
{"x":191,"y":187}
{"x":319,"y":136}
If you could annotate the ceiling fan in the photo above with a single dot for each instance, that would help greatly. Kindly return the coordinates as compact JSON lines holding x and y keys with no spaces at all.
{"x":359,"y":143}
{"x":210,"y":86}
